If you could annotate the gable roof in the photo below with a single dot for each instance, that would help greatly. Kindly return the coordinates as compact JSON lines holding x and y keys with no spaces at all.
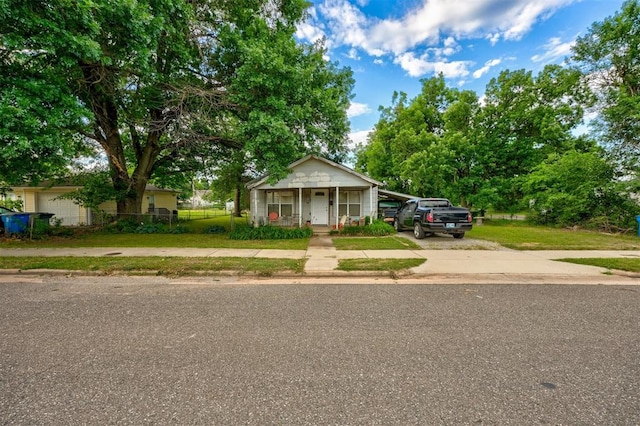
{"x":259,"y":181}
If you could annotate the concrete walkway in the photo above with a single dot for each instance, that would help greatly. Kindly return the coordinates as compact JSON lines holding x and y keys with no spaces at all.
{"x":322,"y":259}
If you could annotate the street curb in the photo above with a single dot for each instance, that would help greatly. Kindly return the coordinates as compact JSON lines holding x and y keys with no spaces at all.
{"x":228,"y":273}
{"x":371,"y":276}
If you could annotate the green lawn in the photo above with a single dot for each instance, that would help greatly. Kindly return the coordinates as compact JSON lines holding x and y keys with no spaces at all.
{"x":160,"y":265}
{"x":98,"y":239}
{"x":522,"y":236}
{"x":512,"y":234}
{"x":378,"y":264}
{"x":374,"y":243}
{"x":622,"y":264}
{"x":90,"y":237}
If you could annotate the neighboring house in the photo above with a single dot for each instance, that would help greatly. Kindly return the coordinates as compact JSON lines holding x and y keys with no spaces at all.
{"x":200,"y":199}
{"x":44,"y":198}
{"x":317,"y":191}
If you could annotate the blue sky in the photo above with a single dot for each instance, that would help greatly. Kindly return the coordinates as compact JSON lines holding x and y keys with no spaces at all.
{"x":392,"y":44}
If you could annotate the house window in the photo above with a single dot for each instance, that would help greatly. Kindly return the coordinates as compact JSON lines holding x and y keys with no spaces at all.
{"x":280,"y":202}
{"x":349,"y":203}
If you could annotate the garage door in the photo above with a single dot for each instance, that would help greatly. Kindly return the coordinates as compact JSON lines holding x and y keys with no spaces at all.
{"x":63,"y":209}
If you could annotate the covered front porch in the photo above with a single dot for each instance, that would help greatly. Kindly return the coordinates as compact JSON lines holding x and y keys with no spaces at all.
{"x":316,"y":192}
{"x":317,"y":207}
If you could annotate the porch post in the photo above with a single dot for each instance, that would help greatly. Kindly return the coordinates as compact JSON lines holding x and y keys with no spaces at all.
{"x":254,"y":213}
{"x":336,"y":204}
{"x":300,"y":207}
{"x":371,"y":209}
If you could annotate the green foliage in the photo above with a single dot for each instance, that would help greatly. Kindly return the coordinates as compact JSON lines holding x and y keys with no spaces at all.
{"x":214,"y":229}
{"x":165,"y":88}
{"x":377,"y":228}
{"x":578,"y":189}
{"x":131,"y":226}
{"x":443,"y":143}
{"x":12,"y":204}
{"x":609,"y":56}
{"x":95,"y":189}
{"x":246,"y":232}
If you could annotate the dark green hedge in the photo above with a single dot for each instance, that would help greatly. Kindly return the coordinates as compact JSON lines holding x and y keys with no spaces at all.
{"x":269,"y":233}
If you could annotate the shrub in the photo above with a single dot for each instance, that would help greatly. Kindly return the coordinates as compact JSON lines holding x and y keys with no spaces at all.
{"x":132,"y":226}
{"x":378,"y":228}
{"x":214,"y":229}
{"x":244,"y":232}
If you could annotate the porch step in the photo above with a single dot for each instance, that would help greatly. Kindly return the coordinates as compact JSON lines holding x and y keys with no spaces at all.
{"x":321,"y":230}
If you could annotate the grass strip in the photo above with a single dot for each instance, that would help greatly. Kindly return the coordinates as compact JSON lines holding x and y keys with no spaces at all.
{"x":161,"y":265}
{"x":374,"y":243}
{"x":378,"y":264}
{"x":621,"y":264}
{"x":520,"y":236}
{"x":102,"y":239}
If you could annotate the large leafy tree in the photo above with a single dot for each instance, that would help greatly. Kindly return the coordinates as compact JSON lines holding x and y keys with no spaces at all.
{"x":579,"y":188}
{"x":526,"y":118}
{"x":406,"y":129}
{"x":445,"y":143}
{"x":167,"y":86}
{"x":609,"y":55}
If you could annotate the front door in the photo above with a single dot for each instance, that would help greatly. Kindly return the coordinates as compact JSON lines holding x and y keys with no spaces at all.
{"x":320,"y":207}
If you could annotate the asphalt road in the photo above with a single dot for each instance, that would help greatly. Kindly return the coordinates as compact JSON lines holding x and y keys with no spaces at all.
{"x":156,"y":351}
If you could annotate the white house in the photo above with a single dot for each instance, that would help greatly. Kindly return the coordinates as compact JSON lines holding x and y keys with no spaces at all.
{"x":318,"y":192}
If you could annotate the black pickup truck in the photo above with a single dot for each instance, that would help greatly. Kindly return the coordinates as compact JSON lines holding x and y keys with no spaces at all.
{"x":431,"y":215}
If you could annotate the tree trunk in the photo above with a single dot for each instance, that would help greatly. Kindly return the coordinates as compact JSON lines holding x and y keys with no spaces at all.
{"x":99,"y":83}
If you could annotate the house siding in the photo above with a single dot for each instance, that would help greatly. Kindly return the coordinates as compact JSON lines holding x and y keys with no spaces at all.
{"x":40,"y":199}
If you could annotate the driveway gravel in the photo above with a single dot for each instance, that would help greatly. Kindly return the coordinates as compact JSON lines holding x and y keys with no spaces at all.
{"x":447,"y":242}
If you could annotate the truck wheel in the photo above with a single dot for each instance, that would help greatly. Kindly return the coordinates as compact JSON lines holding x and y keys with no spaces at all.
{"x":459,"y":236}
{"x":418,"y":231}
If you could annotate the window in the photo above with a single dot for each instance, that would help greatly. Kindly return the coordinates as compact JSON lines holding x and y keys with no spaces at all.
{"x":349,"y":203}
{"x":280,"y":202}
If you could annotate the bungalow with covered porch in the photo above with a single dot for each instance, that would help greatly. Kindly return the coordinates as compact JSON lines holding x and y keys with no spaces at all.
{"x":317,"y":192}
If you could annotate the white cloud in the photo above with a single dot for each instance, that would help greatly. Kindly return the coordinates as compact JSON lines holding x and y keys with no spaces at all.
{"x":356,"y":109}
{"x":554,"y":49}
{"x":378,"y":61}
{"x":487,"y":66}
{"x":353,"y":54}
{"x":345,"y":21}
{"x":419,"y":66}
{"x":359,"y":137}
{"x":306,"y":31}
{"x":425,"y":24}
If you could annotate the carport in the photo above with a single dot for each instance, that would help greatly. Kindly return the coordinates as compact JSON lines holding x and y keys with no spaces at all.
{"x":389,"y":202}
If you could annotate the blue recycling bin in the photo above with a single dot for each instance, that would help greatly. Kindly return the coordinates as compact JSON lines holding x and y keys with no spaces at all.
{"x":15,"y":223}
{"x":638,"y":220}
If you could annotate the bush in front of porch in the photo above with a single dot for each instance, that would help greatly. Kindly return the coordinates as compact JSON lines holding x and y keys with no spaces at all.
{"x":268,"y":232}
{"x":377,"y":228}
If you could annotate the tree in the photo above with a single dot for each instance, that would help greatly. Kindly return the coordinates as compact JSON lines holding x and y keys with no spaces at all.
{"x":405,"y":129}
{"x":164,"y":86}
{"x":579,"y":188}
{"x":609,"y":56}
{"x":525,"y":119}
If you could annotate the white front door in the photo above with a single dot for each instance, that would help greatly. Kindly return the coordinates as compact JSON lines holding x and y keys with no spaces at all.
{"x":319,"y":206}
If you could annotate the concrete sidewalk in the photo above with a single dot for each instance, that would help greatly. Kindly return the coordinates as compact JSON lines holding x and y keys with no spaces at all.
{"x":322,"y":260}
